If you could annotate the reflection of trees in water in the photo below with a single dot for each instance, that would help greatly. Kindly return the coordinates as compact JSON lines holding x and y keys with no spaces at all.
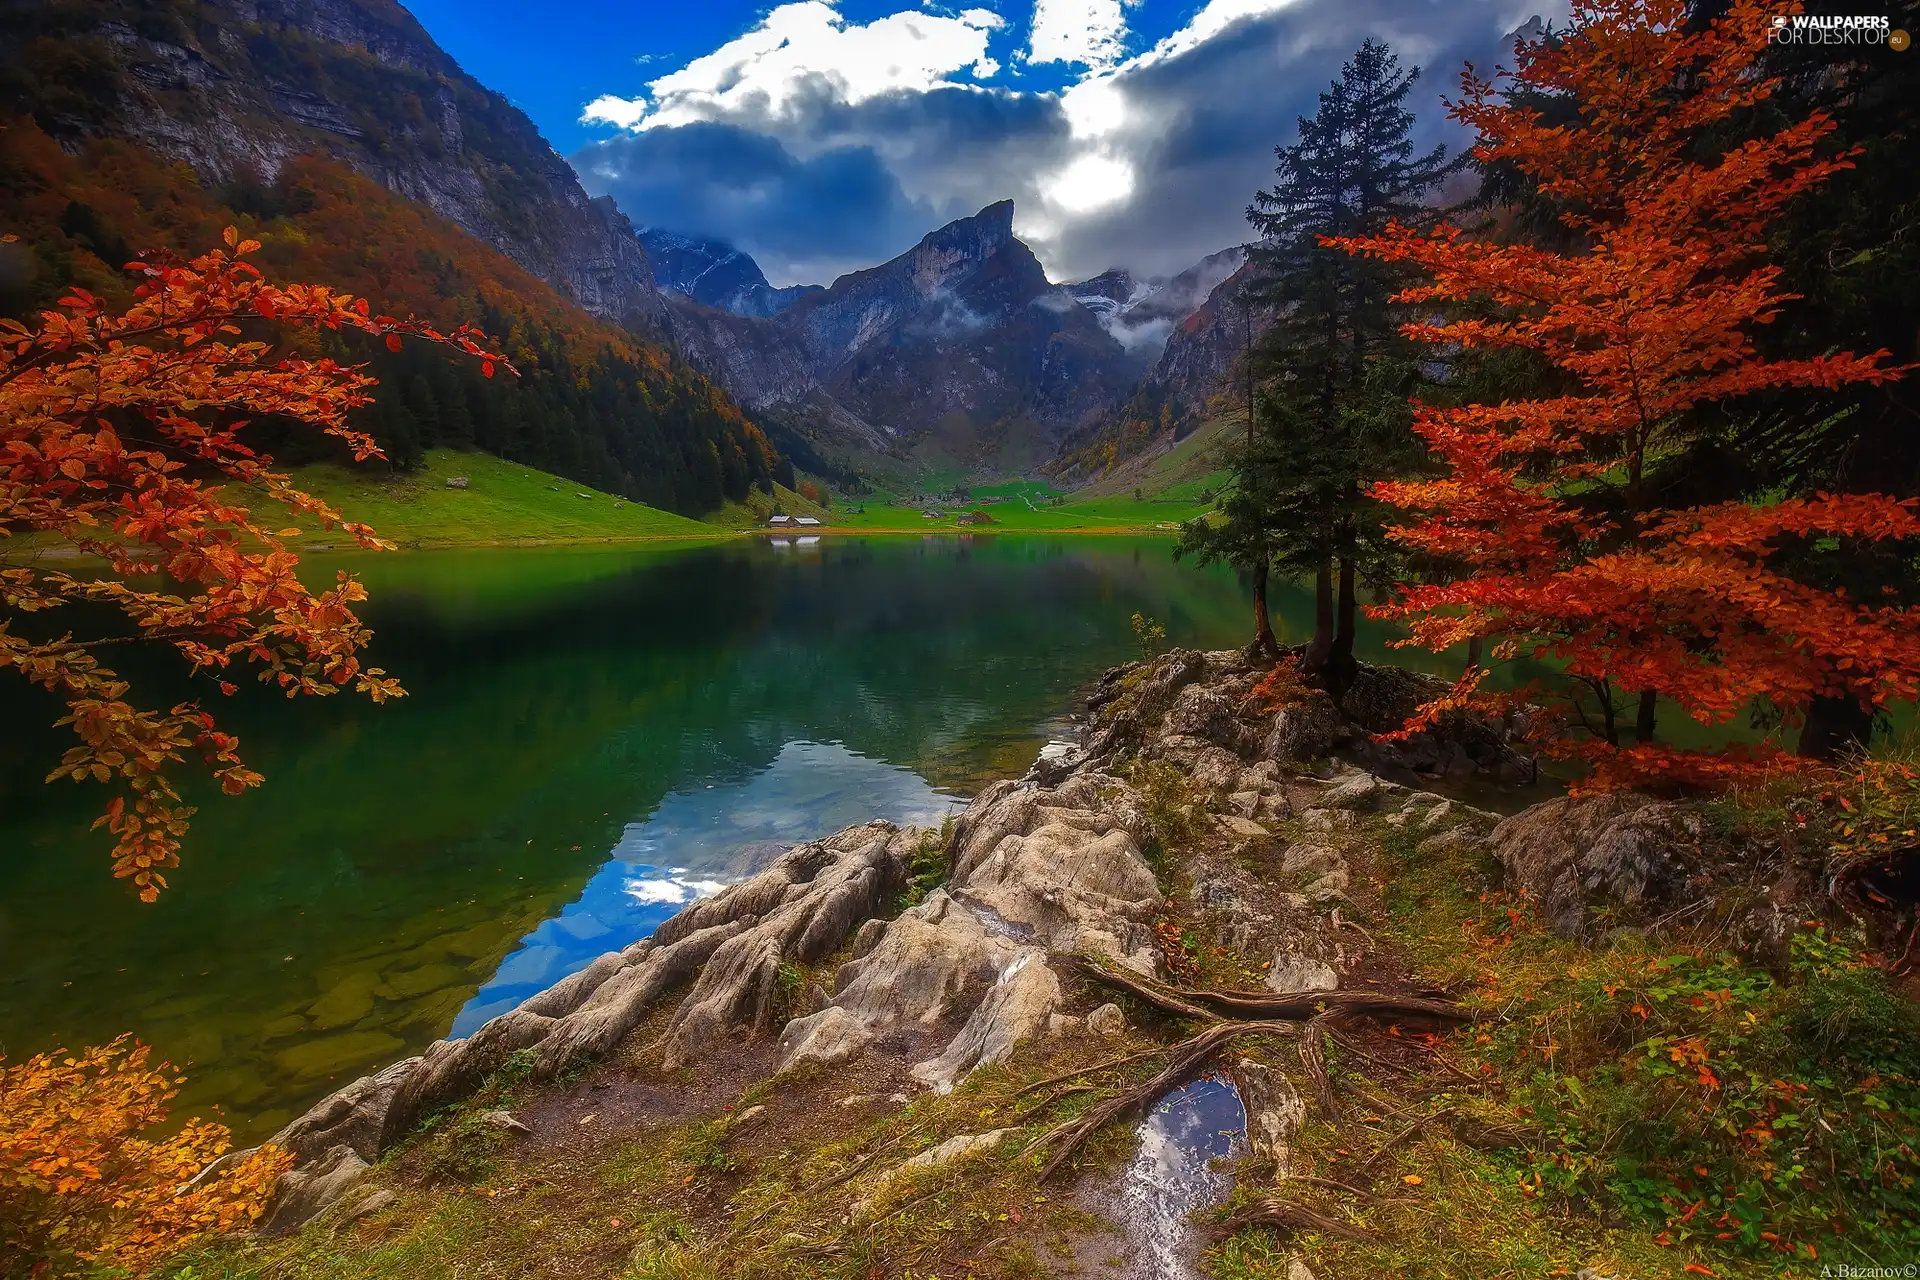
{"x":550,"y":703}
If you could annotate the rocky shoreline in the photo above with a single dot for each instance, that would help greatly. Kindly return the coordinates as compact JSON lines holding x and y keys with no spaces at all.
{"x":926,"y":956}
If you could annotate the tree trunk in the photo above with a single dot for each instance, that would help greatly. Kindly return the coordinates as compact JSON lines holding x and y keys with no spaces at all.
{"x":1833,"y":725}
{"x":1643,"y":719}
{"x":1320,"y":649}
{"x":1263,"y":642}
{"x":1473,"y":654}
{"x":1342,"y":666}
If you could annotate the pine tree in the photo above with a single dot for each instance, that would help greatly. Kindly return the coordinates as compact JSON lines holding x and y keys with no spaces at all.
{"x":1331,"y":374}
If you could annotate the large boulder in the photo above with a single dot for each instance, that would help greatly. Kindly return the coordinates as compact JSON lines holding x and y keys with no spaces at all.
{"x":1305,"y":730}
{"x":1202,"y":712}
{"x":1625,"y":852}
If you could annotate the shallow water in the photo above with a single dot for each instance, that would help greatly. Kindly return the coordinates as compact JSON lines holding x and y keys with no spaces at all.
{"x":1173,"y":1173}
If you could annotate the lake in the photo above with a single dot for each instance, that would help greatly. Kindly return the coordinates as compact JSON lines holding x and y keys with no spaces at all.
{"x":592,"y":738}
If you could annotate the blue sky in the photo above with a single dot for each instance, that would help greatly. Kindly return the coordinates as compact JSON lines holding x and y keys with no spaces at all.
{"x":826,"y":135}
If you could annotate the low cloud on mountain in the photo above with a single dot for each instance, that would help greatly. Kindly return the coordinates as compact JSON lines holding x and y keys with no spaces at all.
{"x":821,"y":145}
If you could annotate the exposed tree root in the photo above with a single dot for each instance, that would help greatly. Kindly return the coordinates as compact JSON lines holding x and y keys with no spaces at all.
{"x":1071,"y":1136}
{"x":1400,"y":1137}
{"x":1064,"y":1091}
{"x":1313,"y":1057}
{"x":1287,"y":1006}
{"x":1288,"y":1216}
{"x":1121,"y":1061}
{"x":1318,"y":1009}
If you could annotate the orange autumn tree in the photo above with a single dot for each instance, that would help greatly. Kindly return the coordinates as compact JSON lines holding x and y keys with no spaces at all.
{"x":85,"y":1183}
{"x":118,"y":434}
{"x":1547,"y":503}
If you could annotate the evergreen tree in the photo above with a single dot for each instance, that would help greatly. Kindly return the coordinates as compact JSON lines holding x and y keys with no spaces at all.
{"x":1327,"y":385}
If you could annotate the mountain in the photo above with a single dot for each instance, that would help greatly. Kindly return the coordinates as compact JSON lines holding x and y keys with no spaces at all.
{"x":715,"y":274}
{"x":234,"y":88}
{"x":1206,"y":323}
{"x":959,"y":349}
{"x":337,"y":134}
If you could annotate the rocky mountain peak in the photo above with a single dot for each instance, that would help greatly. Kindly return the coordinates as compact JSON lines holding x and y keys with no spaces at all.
{"x":716,"y":274}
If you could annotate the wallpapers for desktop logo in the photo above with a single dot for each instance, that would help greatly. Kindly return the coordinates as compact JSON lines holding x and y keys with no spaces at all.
{"x":1836,"y":29}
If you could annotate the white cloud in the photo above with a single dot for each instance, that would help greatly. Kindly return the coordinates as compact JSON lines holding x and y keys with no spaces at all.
{"x":806,"y":49}
{"x":1213,"y":18}
{"x":1145,"y":161}
{"x":1092,"y":33}
{"x":1093,"y":181}
{"x":1094,"y":108}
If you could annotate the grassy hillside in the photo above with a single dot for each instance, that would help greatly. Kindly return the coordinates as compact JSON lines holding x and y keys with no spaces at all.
{"x":1182,"y":472}
{"x":753,"y":513}
{"x":504,"y":502}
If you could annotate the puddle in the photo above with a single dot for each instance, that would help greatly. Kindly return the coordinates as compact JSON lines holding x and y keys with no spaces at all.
{"x":1173,"y":1174}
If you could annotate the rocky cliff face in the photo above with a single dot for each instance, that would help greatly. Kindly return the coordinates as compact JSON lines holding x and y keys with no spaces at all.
{"x":1204,"y":320}
{"x":962,"y":337}
{"x":715,"y":274}
{"x":235,"y":87}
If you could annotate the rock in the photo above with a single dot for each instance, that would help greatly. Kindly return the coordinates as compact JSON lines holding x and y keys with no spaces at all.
{"x":831,"y":1036}
{"x":1016,"y":1009}
{"x":948,"y":1152}
{"x":1291,"y":971}
{"x":1216,"y":769}
{"x":1626,"y":852}
{"x":1107,"y":1020}
{"x":1382,"y":698}
{"x":505,"y":1120}
{"x":1261,"y":777}
{"x":1418,"y":800}
{"x":1275,"y":1112}
{"x":304,"y":1192}
{"x":1436,"y":816}
{"x":331,"y":1055}
{"x":1461,"y":839}
{"x":1359,"y":792}
{"x":930,"y":959}
{"x":345,"y":1003}
{"x":1060,"y":1024}
{"x":804,"y":907}
{"x":1199,"y":712}
{"x":1240,"y":828}
{"x":1298,"y":1270}
{"x":1301,"y":858}
{"x":1329,"y":820}
{"x":280,"y":1028}
{"x":1274,"y":808}
{"x":1329,"y":886}
{"x":405,"y":984}
{"x":1216,"y":895}
{"x":855,"y":1100}
{"x":1245,"y":803}
{"x":1072,"y":890}
{"x":369,"y":1205}
{"x":813,"y":999}
{"x":1306,"y":731}
{"x":730,"y":946}
{"x":867,"y":935}
{"x":354,"y":1117}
